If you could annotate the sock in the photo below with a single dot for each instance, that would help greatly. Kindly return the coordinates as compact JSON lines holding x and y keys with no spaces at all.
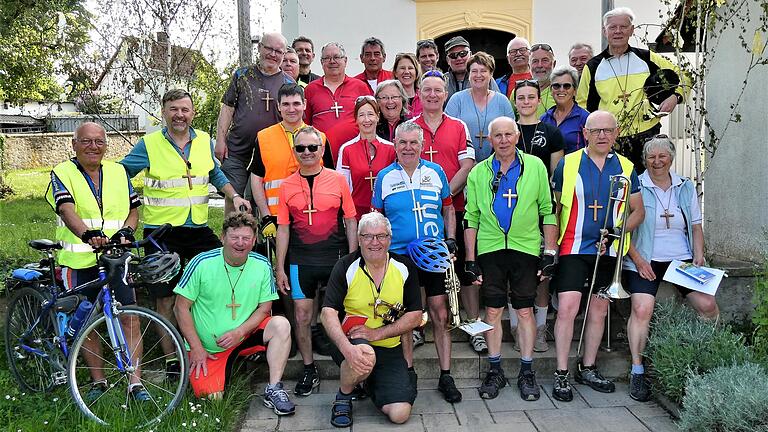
{"x":541,"y":315}
{"x":512,"y":316}
{"x":638,"y":369}
{"x":131,"y":387}
{"x":310,"y":366}
{"x":411,"y":369}
{"x":343,"y":396}
{"x":272,"y":386}
{"x":445,"y":372}
{"x":495,"y":362}
{"x":561,"y":371}
{"x":526,"y":364}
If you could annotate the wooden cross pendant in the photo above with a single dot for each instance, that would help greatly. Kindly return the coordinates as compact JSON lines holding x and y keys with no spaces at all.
{"x":189,"y":178}
{"x":481,"y":136}
{"x":337,"y":108}
{"x":370,"y":178}
{"x":595,"y":207}
{"x":430,"y":152}
{"x":233,"y":306}
{"x":309,"y":212}
{"x":419,"y":211}
{"x":266,"y":100}
{"x":624,"y":97}
{"x":509,"y":196}
{"x":666,"y":216}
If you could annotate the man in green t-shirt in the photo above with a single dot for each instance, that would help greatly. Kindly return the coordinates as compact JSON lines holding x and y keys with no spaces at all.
{"x":507,"y":194}
{"x":224,"y":307}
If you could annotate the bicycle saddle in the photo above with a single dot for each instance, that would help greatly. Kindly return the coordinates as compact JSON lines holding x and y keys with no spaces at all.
{"x":43,"y":245}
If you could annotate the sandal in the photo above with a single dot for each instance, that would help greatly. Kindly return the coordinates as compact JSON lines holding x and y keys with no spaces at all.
{"x":341,"y":413}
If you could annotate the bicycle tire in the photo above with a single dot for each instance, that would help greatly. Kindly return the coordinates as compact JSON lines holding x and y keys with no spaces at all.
{"x":32,"y":372}
{"x":115,"y":405}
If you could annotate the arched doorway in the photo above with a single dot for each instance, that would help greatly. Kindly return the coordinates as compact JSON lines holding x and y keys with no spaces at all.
{"x":494,"y":42}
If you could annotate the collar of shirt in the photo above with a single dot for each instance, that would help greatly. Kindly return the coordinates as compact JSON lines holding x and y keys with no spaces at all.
{"x":496,"y":164}
{"x":645,"y":180}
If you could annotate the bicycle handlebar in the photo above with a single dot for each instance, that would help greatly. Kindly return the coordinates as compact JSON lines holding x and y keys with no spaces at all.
{"x":156,"y":234}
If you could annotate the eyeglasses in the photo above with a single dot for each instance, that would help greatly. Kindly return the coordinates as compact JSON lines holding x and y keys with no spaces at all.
{"x":457,"y":54}
{"x":526,"y":83}
{"x":662,"y":136}
{"x":598,"y":131}
{"x":564,"y":86}
{"x":389,"y":98}
{"x":300,"y":148}
{"x":543,"y":46}
{"x":371,"y":237}
{"x":514,"y":51}
{"x":98,"y":142}
{"x":433,"y":74}
{"x":271,"y":50}
{"x":336,"y":58}
{"x":364,"y":98}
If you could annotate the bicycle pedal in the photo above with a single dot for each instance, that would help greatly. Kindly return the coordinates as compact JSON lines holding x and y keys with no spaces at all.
{"x":59,"y":378}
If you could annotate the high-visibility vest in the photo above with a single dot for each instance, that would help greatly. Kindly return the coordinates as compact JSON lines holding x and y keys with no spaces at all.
{"x":115,"y":203}
{"x":168,"y":197}
{"x":570,"y":172}
{"x":279,"y":159}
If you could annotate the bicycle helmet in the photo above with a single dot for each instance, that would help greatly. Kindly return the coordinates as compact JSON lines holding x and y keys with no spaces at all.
{"x":430,"y":254}
{"x":158,"y":267}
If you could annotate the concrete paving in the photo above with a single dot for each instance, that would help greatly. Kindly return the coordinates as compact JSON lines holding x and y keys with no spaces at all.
{"x":590,"y":411}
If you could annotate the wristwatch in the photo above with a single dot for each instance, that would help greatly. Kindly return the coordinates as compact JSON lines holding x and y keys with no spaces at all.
{"x":552,"y":252}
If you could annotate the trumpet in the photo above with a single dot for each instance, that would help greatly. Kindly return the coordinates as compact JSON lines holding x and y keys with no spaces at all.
{"x":452,"y":288}
{"x":392,"y":311}
{"x":615,"y":290}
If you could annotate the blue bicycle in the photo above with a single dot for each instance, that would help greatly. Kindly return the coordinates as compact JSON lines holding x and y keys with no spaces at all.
{"x":115,"y":358}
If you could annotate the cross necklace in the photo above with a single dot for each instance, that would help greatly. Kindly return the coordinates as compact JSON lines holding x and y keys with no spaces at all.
{"x":666,"y":214}
{"x":522,"y":136}
{"x":418,"y":210}
{"x":234,"y":305}
{"x":310,"y":199}
{"x":369,"y":156}
{"x":624,"y":95}
{"x":595,"y":192}
{"x":481,"y":126}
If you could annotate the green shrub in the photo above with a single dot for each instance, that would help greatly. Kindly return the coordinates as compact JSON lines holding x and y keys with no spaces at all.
{"x":729,"y":398}
{"x":681,"y":344}
{"x":760,"y":316}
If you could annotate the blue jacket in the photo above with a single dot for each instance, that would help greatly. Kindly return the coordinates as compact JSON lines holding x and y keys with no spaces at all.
{"x":644,"y":234}
{"x":572,"y":127}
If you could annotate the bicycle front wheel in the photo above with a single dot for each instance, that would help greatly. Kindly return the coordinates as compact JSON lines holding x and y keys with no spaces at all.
{"x":97,"y":357}
{"x":31,"y":361}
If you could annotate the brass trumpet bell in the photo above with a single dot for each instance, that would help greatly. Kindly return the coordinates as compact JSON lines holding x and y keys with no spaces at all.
{"x":615,"y":291}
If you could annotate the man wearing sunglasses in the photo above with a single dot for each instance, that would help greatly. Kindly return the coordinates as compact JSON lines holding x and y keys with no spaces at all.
{"x":614,"y":81}
{"x":247,"y":107}
{"x":373,"y":56}
{"x":316,"y":226}
{"x":542,"y":63}
{"x":457,"y":52}
{"x":331,"y":100}
{"x":518,"y":56}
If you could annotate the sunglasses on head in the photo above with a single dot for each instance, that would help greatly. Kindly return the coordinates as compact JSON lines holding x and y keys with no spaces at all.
{"x":564,"y":86}
{"x":365,"y":97}
{"x":526,"y":83}
{"x":300,"y":148}
{"x":424,"y":42}
{"x":433,"y":74}
{"x":457,"y":54}
{"x":538,"y":46}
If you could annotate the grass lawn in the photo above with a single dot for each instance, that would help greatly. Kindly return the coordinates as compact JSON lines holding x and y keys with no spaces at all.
{"x":25,"y":216}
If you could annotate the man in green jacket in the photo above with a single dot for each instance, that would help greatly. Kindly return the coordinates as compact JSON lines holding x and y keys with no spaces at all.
{"x":507,"y":195}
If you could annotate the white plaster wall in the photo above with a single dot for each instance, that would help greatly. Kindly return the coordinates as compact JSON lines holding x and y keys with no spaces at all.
{"x":351,"y":22}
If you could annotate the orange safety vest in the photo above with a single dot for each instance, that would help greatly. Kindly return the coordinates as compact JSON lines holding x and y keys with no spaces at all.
{"x":277,"y":155}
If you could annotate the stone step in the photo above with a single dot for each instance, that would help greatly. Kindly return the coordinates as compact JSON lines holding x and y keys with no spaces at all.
{"x":466,"y":364}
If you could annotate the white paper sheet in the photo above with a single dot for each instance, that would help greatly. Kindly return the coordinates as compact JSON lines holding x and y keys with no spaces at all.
{"x":475,"y":327}
{"x":678,"y":278}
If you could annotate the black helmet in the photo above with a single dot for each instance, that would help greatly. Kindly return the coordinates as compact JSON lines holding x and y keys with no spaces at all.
{"x":158,"y":267}
{"x":661,"y":85}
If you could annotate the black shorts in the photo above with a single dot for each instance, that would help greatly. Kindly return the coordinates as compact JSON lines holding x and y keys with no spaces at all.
{"x":75,"y":277}
{"x":508,"y":275}
{"x":637,"y":285}
{"x":388,"y":381}
{"x":305,"y":279}
{"x":464,"y":277}
{"x":574,"y":273}
{"x":188,"y":242}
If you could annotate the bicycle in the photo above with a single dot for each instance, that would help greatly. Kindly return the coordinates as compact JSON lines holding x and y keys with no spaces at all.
{"x":43,"y":352}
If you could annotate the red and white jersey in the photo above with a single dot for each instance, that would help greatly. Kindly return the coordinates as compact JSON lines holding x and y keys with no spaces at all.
{"x":360,"y":165}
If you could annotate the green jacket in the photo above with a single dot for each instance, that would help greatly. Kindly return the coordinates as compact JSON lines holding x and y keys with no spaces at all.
{"x":534,"y":201}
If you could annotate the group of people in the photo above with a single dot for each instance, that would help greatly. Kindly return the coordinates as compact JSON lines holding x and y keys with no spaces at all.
{"x":359,"y":182}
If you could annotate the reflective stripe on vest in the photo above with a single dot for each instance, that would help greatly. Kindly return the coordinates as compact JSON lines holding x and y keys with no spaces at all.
{"x":571,"y":165}
{"x":167,"y":195}
{"x":115,"y":204}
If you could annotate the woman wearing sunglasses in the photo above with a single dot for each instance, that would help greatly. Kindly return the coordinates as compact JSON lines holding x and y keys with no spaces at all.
{"x":408,"y":72}
{"x":477,"y":106}
{"x":361,"y":158}
{"x":566,"y":115}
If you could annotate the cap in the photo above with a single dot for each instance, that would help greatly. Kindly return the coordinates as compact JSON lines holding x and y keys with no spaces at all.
{"x":456,"y":41}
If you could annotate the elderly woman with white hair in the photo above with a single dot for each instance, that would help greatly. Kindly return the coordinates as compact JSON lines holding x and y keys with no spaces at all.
{"x":671,"y":231}
{"x":566,"y":115}
{"x":393,"y":103}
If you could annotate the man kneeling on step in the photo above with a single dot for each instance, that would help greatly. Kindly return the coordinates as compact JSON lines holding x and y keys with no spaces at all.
{"x":376,"y":294}
{"x":226,"y":314}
